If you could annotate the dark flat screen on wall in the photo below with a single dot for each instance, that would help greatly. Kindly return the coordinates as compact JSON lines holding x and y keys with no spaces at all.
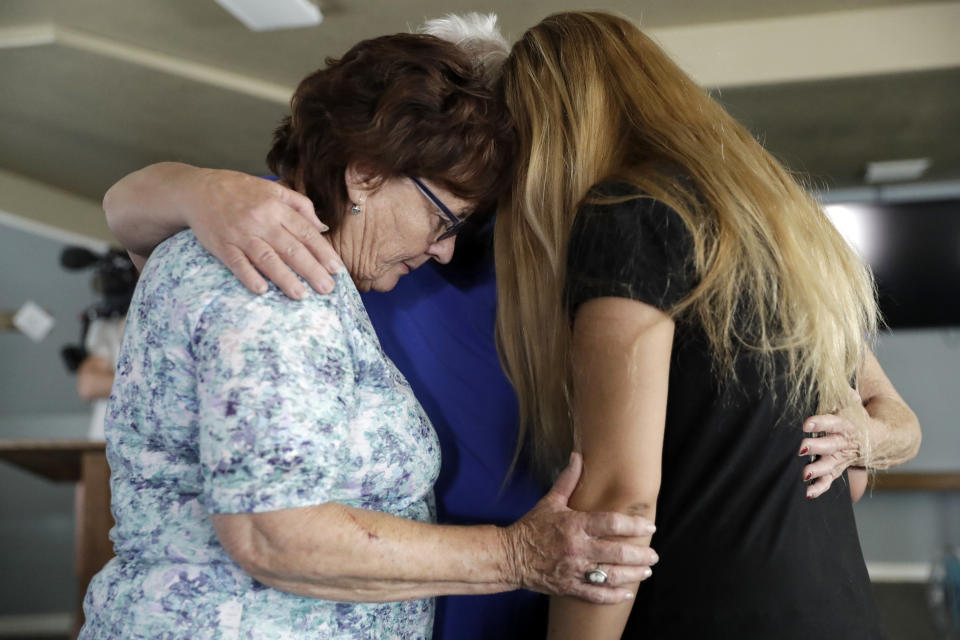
{"x":914,"y":250}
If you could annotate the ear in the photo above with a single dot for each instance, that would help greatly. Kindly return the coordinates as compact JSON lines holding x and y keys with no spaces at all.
{"x":360,"y":179}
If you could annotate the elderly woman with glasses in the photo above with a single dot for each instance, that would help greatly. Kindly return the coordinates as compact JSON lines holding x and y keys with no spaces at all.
{"x":272,"y":472}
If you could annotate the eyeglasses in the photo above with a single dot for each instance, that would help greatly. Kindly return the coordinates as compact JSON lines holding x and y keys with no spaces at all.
{"x":455,"y":222}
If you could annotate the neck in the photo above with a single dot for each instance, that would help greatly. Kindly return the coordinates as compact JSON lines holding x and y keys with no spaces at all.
{"x":348,"y":249}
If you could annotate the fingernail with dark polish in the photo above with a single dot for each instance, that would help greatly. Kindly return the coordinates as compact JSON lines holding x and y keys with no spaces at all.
{"x":804,"y":450}
{"x":807,"y":477}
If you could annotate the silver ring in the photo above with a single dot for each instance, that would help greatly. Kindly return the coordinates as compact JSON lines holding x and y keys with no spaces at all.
{"x":597,"y":576}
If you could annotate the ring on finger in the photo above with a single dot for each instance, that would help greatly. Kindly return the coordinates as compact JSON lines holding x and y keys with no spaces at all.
{"x":596,"y":576}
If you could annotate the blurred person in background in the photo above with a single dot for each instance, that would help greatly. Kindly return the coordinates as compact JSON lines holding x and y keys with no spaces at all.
{"x":95,"y":373}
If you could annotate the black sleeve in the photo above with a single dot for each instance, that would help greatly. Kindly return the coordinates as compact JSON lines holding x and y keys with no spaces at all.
{"x":638,"y":249}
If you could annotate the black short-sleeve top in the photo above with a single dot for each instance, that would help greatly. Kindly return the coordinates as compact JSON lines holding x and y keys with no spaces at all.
{"x":743,"y":553}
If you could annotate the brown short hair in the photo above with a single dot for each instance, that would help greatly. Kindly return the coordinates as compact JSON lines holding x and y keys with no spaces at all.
{"x":399,"y":104}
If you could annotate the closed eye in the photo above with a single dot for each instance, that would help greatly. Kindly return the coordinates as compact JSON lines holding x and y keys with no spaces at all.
{"x":448,"y":222}
{"x":440,"y":223}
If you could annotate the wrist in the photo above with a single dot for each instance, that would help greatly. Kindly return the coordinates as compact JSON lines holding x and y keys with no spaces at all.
{"x":511,"y":554}
{"x":870,"y":448}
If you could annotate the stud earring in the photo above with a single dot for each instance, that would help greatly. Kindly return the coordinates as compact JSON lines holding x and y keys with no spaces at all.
{"x":356,"y":208}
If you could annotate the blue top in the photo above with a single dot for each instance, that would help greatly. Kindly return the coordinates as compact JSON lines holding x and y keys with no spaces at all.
{"x":439,"y":330}
{"x":228,"y":402}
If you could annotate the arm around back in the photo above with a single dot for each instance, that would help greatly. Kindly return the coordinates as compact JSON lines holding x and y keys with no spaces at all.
{"x":252,"y":225}
{"x":895,"y":430}
{"x":895,"y":434}
{"x":875,"y":429}
{"x":147,"y":206}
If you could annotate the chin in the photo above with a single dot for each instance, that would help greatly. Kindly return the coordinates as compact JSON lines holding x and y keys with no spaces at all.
{"x":384,"y":283}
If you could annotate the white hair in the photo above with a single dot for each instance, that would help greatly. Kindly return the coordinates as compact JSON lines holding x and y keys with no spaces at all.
{"x":475,"y":33}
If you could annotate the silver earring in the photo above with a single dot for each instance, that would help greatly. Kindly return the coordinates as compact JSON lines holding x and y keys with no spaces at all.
{"x":355,"y":209}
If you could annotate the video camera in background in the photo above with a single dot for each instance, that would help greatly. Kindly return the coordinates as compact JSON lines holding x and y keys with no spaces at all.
{"x":114,"y":279}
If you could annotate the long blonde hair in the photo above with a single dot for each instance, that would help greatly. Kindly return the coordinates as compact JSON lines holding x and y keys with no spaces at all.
{"x":594,"y":99}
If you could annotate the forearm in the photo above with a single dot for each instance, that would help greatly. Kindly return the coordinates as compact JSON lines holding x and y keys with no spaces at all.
{"x":147,"y":206}
{"x":575,"y":619}
{"x":893,"y":430}
{"x":894,"y":433}
{"x":337,"y":552}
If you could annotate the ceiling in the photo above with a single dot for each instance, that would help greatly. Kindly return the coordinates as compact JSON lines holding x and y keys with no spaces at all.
{"x":830,"y":129}
{"x":93,"y":89}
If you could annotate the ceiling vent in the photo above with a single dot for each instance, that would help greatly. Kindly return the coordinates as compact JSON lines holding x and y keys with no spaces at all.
{"x":276,"y":14}
{"x":896,"y":170}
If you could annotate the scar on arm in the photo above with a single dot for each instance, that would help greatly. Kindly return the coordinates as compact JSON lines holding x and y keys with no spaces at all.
{"x":370,"y":534}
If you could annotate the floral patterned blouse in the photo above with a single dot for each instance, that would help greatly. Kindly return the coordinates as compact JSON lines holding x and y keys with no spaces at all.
{"x":227,"y":402}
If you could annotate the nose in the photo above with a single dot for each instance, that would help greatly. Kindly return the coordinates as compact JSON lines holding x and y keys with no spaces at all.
{"x":442,"y":251}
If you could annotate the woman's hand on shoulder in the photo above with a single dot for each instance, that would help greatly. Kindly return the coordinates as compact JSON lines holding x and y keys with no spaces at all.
{"x":839,"y":445}
{"x":256,"y":226}
{"x":553,"y":547}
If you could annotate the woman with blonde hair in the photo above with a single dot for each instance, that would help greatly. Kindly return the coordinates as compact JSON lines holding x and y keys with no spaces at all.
{"x":673,"y":304}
